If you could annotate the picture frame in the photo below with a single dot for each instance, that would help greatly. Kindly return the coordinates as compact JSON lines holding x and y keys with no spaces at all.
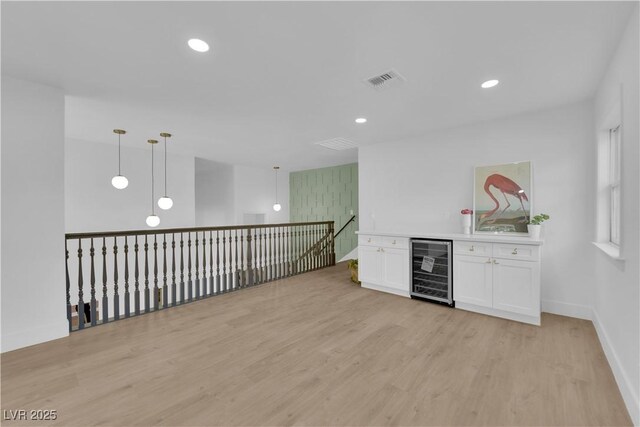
{"x":503,"y":198}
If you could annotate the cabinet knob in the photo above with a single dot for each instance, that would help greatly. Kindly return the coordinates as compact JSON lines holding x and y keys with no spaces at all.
{"x":495,"y":262}
{"x":382,"y":249}
{"x":394,"y":242}
{"x":369,"y":240}
{"x":515,"y":252}
{"x":488,"y":261}
{"x":472,"y":248}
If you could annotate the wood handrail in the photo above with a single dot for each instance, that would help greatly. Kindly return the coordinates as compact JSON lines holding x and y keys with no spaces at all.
{"x":345,"y":226}
{"x":340,"y":231}
{"x":186,"y":230}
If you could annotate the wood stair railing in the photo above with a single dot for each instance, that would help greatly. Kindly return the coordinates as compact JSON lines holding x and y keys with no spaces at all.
{"x":169,"y":267}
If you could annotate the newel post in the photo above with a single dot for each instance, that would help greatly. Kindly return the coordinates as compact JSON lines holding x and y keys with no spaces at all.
{"x":332,"y":256}
{"x":249,"y":263}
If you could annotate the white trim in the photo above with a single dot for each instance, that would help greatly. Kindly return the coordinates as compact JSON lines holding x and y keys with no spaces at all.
{"x":532,"y":320}
{"x":567,"y":309}
{"x":610,"y":249}
{"x":386,"y":289}
{"x":37,"y":335}
{"x":622,"y":379}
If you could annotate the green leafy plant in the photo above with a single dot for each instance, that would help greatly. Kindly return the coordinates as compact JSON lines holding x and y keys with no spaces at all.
{"x":353,"y":263}
{"x":539,"y":219}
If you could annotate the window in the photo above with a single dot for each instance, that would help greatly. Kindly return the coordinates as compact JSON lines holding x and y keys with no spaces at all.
{"x":614,"y":186}
{"x":609,"y":185}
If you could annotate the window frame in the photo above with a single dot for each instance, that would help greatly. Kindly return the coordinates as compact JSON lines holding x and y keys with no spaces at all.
{"x":610,"y":185}
{"x":615,"y":157}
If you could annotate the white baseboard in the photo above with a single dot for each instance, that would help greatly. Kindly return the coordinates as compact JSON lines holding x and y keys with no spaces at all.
{"x":567,"y":309}
{"x":532,"y":320}
{"x":386,"y":289}
{"x":32,"y":336}
{"x":622,"y":379}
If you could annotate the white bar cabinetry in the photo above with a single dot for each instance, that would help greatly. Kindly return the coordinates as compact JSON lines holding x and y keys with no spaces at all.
{"x":495,"y":276}
{"x":383,"y":263}
{"x":498,"y":279}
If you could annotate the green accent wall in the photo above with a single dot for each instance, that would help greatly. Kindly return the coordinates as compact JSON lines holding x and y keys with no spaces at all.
{"x":327,"y":194}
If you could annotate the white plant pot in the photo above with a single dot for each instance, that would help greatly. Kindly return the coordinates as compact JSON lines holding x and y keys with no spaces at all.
{"x":534,"y":231}
{"x":466,"y":224}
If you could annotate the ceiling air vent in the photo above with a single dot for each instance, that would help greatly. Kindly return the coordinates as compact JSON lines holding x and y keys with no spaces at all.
{"x":385,"y":80}
{"x":337,"y":144}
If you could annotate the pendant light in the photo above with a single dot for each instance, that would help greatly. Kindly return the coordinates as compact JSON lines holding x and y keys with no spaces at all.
{"x":165,"y":201}
{"x":152,"y":220}
{"x":276,"y":206}
{"x":119,"y":181}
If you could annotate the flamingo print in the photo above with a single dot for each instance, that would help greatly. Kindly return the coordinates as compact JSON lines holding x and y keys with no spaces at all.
{"x":506,"y":186}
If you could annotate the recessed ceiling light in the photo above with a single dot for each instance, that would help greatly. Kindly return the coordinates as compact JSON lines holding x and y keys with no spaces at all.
{"x":361,"y":120}
{"x":198,"y":45}
{"x":490,"y":83}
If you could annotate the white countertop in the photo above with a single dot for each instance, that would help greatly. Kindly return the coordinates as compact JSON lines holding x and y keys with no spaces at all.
{"x":488,"y":237}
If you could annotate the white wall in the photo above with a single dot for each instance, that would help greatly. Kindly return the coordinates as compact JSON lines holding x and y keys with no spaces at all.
{"x":254,"y":192}
{"x":93,"y":204}
{"x":214,"y":193}
{"x":205,"y":192}
{"x":225,"y":193}
{"x":422,"y":184}
{"x":33,"y":276}
{"x":616,"y":297}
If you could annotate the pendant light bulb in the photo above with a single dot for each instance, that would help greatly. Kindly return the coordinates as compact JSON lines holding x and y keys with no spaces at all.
{"x":165,"y":203}
{"x":153,"y":220}
{"x":277,"y":207}
{"x":119,"y":181}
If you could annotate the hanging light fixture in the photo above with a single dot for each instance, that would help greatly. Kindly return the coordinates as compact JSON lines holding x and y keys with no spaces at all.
{"x":119,"y":181}
{"x":276,"y":206}
{"x":165,"y":201}
{"x":152,"y":220}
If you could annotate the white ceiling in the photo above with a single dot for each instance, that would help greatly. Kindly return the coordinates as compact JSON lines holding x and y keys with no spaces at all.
{"x":283,"y":75}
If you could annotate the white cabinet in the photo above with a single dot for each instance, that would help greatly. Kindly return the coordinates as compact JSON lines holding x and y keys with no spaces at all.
{"x":383,"y":264}
{"x":501,"y":280}
{"x":369,"y":270}
{"x":516,"y":286}
{"x":494,"y":276}
{"x":395,"y":268}
{"x":473,"y":280}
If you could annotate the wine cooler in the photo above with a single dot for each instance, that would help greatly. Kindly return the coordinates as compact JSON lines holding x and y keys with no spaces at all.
{"x":431,"y":269}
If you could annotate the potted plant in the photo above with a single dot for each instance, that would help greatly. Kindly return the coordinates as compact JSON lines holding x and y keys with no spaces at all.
{"x":535,"y":225}
{"x":353,"y":266}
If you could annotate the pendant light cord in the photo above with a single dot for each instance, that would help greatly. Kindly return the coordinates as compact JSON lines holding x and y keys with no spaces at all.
{"x":165,"y":166}
{"x":119,"y":173}
{"x":276,"y":186}
{"x":153,"y":211}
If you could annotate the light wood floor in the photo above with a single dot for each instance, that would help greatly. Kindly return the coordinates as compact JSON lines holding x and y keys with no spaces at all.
{"x":317,"y":350}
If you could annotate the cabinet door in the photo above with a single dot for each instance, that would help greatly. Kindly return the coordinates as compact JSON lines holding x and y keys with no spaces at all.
{"x":472,"y":280}
{"x":395,"y":268}
{"x":369,"y":265}
{"x":516,"y":286}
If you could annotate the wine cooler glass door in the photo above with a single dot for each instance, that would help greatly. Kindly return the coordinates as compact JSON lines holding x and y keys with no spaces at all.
{"x":431,"y":270}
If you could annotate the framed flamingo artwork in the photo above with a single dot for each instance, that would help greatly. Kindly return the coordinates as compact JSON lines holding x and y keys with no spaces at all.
{"x":502,"y":200}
